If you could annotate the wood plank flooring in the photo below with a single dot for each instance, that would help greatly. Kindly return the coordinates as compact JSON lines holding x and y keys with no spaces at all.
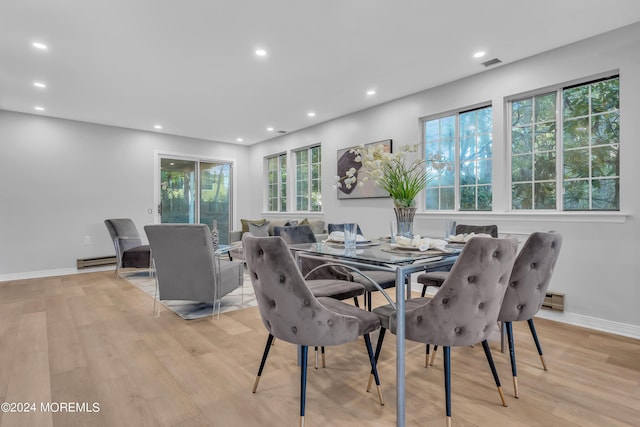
{"x":91,"y":338}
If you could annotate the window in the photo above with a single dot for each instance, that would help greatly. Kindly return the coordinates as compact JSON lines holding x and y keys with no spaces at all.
{"x":277,"y":183}
{"x":308,"y":179}
{"x":564,"y":148}
{"x":458,"y":150}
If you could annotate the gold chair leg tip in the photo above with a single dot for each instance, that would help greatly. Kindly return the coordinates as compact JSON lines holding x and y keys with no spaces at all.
{"x":380,"y":395}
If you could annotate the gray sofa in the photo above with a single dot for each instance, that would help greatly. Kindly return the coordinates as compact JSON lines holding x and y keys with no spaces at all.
{"x":317,"y":225}
{"x":265,"y":226}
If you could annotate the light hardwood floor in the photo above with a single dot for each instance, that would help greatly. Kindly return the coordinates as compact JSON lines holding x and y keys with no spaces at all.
{"x":91,"y":338}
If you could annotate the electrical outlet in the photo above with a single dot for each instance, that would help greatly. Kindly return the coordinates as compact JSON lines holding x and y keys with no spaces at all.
{"x":87,"y":240}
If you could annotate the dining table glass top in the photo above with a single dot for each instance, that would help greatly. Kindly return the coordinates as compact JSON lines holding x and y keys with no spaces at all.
{"x":382,"y":252}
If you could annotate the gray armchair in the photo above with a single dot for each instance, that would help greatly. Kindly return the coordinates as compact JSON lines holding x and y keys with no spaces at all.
{"x":290,"y":311}
{"x":465,"y":309}
{"x":187,"y":267}
{"x":130,"y":252}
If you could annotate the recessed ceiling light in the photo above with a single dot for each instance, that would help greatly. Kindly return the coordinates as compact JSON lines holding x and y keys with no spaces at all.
{"x":479,"y":54}
{"x":40,"y":46}
{"x":38,"y":108}
{"x":270,"y":129}
{"x":41,"y":85}
{"x":311,"y":114}
{"x":157,"y":127}
{"x":371,"y":92}
{"x":239,"y":139}
{"x":261,"y":52}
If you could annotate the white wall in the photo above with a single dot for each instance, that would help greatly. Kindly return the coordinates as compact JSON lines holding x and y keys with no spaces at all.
{"x":61,"y":179}
{"x":598,"y":268}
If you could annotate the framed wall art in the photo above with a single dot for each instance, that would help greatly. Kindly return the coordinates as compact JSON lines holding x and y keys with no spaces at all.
{"x":369,"y":188}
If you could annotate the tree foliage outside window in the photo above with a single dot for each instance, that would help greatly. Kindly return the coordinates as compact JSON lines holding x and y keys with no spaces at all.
{"x":308,"y":179}
{"x":458,"y":153}
{"x":565,"y":149}
{"x":277,"y":183}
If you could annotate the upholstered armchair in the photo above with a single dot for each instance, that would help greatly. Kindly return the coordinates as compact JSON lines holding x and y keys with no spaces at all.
{"x":130,"y":252}
{"x":291,"y":312}
{"x":465,"y":309}
{"x":527,"y":289}
{"x":187,"y":267}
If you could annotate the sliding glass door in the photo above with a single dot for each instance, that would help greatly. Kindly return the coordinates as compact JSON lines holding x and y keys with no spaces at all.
{"x":196,"y":191}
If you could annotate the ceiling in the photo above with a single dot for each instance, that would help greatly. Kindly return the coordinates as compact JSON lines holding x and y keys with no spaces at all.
{"x":191,"y":66}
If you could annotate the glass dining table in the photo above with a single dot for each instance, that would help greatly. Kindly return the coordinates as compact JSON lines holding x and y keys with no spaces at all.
{"x":385,"y":256}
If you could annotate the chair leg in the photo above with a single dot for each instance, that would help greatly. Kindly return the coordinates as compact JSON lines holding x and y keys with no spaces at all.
{"x":512,"y":356}
{"x":303,"y":382}
{"x":324,"y":365}
{"x":368,"y":294}
{"x":316,"y":351}
{"x":263,"y":361}
{"x":355,"y":302}
{"x":374,"y":368}
{"x":424,"y":291}
{"x":446,"y":352}
{"x":535,"y":338}
{"x":426,"y":356}
{"x":377,"y":355}
{"x":433,"y":355}
{"x":487,"y":352}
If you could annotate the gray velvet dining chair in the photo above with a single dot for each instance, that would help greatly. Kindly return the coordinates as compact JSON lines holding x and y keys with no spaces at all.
{"x":464,"y":311}
{"x":324,"y":280}
{"x":130,"y":252}
{"x":527,"y":289}
{"x":384,"y":279}
{"x":291,"y":312}
{"x":435,"y":278}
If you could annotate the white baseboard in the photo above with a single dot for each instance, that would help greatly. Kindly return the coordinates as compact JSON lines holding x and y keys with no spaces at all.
{"x":50,"y":273}
{"x":624,"y":329}
{"x":603,"y":325}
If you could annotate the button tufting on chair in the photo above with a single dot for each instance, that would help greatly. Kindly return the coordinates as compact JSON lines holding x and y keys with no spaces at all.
{"x":323,"y":321}
{"x":532,"y":271}
{"x":439,"y":312}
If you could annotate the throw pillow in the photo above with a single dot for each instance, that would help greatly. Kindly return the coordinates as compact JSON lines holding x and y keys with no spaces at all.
{"x":245,"y":223}
{"x":292,"y":223}
{"x":317,"y":225}
{"x":259,"y":229}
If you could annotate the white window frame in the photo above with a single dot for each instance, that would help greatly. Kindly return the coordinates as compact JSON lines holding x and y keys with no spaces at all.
{"x":559,"y":179}
{"x":310,"y":180}
{"x":456,"y":162}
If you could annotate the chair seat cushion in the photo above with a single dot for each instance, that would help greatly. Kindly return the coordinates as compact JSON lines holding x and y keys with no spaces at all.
{"x":337,"y":289}
{"x":384,"y":312}
{"x":386,"y":279}
{"x":136,"y":257}
{"x":433,"y":278}
{"x":367,"y":321}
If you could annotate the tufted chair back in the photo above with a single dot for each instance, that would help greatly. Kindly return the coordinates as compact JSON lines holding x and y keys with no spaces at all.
{"x":288,"y":309}
{"x":530,"y":277}
{"x":293,"y":234}
{"x":465,"y":309}
{"x":491,"y":230}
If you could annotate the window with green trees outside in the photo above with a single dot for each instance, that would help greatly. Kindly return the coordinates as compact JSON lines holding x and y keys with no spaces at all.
{"x":565,"y":148}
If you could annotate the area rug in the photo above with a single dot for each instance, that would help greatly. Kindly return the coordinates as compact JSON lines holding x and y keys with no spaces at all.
{"x":237,"y":300}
